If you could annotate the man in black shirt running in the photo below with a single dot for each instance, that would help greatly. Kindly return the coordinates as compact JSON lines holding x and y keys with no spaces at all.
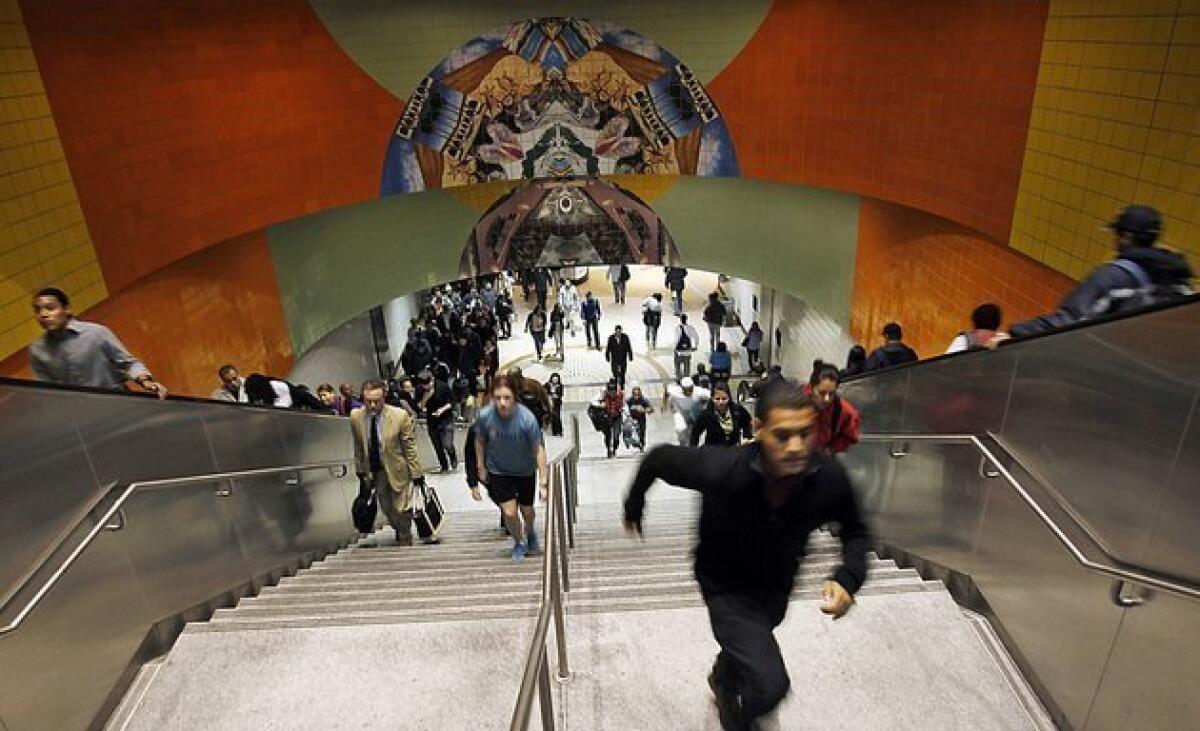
{"x":760,"y":502}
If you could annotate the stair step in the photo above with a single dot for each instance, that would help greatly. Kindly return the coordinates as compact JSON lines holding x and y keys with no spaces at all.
{"x":428,"y":557}
{"x":488,"y":596}
{"x":527,"y":586}
{"x":532,"y":568}
{"x":575,"y":605}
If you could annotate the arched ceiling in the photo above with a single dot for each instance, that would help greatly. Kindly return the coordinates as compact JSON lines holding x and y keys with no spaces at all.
{"x":397,"y":43}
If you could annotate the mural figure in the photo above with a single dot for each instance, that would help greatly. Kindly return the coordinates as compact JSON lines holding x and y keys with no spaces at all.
{"x":556,"y":98}
{"x":564,"y":223}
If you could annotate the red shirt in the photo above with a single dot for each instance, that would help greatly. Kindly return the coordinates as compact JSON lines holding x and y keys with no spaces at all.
{"x":837,"y":438}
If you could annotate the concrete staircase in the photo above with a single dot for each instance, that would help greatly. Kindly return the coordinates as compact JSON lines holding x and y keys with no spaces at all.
{"x":471,"y":576}
{"x":435,"y":637}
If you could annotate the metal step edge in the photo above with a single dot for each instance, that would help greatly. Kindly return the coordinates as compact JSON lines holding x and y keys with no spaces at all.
{"x":532,"y":595}
{"x":522,"y":574}
{"x":531,"y":588}
{"x":632,"y":553}
{"x":440,"y":615}
{"x":486,"y":569}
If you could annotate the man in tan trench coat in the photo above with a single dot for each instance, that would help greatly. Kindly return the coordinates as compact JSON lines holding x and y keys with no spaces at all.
{"x":385,"y":456}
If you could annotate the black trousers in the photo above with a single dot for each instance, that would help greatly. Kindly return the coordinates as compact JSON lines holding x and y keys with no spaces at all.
{"x":618,"y":371}
{"x":592,"y":329}
{"x":750,"y":664}
{"x":441,"y":436}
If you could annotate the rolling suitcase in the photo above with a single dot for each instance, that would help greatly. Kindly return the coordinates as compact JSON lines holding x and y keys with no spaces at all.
{"x":428,"y":513}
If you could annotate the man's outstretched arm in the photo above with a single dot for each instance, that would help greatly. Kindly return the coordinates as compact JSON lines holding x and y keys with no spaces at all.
{"x":679,"y":466}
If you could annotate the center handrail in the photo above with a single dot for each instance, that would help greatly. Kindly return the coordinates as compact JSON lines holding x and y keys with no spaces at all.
{"x":561,"y":500}
{"x":1125,"y":572}
{"x":114,"y":511}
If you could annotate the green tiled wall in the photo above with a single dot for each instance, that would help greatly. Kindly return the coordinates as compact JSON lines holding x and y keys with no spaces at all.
{"x":397,"y":43}
{"x":337,"y":264}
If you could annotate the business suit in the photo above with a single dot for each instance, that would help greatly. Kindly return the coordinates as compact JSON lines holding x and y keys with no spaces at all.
{"x":398,"y":465}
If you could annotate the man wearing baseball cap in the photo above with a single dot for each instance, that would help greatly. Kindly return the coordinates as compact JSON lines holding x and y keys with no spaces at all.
{"x":1142,"y":274}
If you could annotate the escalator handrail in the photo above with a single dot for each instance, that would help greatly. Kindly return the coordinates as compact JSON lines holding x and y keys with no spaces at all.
{"x":126,"y":491}
{"x":1113,"y":567}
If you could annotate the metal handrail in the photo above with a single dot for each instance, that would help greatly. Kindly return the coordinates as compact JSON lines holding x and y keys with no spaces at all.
{"x":560,"y":504}
{"x":114,"y":510}
{"x":1139,"y":575}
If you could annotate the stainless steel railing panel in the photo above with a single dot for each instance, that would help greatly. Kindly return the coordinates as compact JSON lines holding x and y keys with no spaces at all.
{"x":99,"y":563}
{"x":1108,"y":415}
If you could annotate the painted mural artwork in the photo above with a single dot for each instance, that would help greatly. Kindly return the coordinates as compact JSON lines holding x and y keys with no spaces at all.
{"x":561,"y":222}
{"x":556,"y":98}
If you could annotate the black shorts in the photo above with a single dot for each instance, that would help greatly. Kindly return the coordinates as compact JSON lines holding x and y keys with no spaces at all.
{"x":502,"y":488}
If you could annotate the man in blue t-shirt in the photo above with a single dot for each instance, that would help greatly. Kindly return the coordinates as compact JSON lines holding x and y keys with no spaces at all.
{"x":510,"y":454}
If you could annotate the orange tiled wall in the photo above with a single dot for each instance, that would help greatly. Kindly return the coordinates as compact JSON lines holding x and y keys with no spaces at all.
{"x":924,"y":103}
{"x":188,"y":123}
{"x":191,"y":317}
{"x":929,"y":273}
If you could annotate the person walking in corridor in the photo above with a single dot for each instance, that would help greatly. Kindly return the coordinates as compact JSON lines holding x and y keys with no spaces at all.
{"x":686,"y":341}
{"x":590,"y":312}
{"x":510,"y":455}
{"x":676,"y":281}
{"x":753,"y":344}
{"x":714,"y":316}
{"x":535,"y":324}
{"x":385,"y":457}
{"x":652,"y":318}
{"x":618,"y":274}
{"x":618,"y":353}
{"x":760,"y":502}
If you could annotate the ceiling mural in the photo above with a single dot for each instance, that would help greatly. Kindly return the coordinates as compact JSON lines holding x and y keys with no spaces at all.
{"x":566,"y":222}
{"x":556,"y":98}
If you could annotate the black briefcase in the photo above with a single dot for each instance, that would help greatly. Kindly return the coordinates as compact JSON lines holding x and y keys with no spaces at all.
{"x":428,"y":513}
{"x":363,"y":511}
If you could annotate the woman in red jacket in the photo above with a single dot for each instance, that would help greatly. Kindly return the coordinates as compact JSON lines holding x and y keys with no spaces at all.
{"x":838,"y":420}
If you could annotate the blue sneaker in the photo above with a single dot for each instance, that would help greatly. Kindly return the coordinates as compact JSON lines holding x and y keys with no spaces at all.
{"x":532,"y":539}
{"x":519,"y":552}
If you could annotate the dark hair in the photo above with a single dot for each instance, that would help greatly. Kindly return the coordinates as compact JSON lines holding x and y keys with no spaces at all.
{"x":892,"y":331}
{"x":225,"y":369}
{"x":325,"y":388}
{"x":259,"y":390}
{"x":658,"y":296}
{"x":986,"y":317}
{"x":373,"y":384}
{"x":721,"y":346}
{"x":823,"y":371}
{"x":683,"y":319}
{"x":56,"y":293}
{"x":509,"y":381}
{"x":722,"y":386}
{"x":856,"y":358}
{"x":782,"y":393}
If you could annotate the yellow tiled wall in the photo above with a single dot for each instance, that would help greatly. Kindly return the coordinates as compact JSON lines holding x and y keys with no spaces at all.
{"x":43,"y":238}
{"x":1116,"y":120}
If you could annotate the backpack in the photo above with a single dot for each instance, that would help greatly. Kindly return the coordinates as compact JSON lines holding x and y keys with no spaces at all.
{"x":624,"y":275}
{"x":685,"y":343}
{"x":1145,"y":294}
